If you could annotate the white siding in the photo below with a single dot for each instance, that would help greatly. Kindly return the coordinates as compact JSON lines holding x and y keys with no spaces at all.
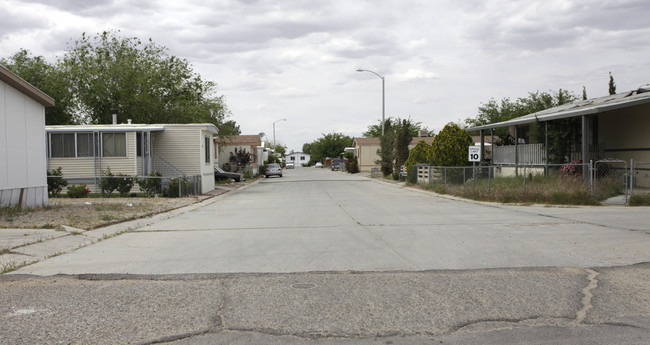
{"x":183,"y":147}
{"x":180,"y":146}
{"x":22,"y":149}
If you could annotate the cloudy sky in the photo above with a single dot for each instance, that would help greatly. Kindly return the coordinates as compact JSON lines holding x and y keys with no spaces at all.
{"x":297,"y":59}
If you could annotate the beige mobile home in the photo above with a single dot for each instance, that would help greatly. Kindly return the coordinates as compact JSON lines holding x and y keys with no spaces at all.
{"x":23,"y":175}
{"x":174,"y":150}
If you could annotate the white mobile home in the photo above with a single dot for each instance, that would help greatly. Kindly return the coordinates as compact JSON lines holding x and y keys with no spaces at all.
{"x":23,"y":175}
{"x":174,"y":150}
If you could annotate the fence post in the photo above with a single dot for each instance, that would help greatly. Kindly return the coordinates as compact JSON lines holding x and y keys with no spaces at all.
{"x":445,"y":175}
{"x":489,"y":177}
{"x":464,"y":181}
{"x":592,"y":178}
{"x":525,"y":178}
{"x":473,"y":174}
{"x":631,"y":176}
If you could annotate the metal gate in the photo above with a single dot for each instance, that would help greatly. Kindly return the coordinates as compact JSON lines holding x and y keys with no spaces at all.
{"x":639,"y":177}
{"x":611,"y":182}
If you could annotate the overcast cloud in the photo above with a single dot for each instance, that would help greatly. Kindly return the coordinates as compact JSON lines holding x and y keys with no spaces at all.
{"x":297,"y":59}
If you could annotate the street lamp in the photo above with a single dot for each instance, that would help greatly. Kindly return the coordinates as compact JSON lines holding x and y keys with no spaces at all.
{"x":274,"y":132}
{"x":383,"y":93}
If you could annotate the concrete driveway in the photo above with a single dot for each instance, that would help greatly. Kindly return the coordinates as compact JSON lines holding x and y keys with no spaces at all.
{"x":318,"y":220}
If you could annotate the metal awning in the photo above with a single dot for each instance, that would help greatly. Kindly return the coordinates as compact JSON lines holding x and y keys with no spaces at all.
{"x":575,"y":109}
{"x":104,"y":128}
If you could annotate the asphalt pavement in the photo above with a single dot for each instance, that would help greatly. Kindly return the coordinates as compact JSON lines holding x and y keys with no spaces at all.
{"x":321,"y":257}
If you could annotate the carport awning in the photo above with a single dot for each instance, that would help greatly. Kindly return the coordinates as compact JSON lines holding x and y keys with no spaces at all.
{"x":577,"y":108}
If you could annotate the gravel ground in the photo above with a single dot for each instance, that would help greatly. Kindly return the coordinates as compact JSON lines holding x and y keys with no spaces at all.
{"x":92,"y":213}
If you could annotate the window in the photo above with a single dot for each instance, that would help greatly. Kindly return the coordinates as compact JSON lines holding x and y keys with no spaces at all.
{"x":302,"y":158}
{"x":114,"y":144}
{"x":207,"y":149}
{"x":293,"y":158}
{"x":62,"y":145}
{"x":84,"y":144}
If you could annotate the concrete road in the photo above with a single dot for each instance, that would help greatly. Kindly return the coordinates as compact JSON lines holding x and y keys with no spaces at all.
{"x":319,"y":257}
{"x":318,"y":220}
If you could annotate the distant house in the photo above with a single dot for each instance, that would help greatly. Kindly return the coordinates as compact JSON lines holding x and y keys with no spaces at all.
{"x":366,"y":151}
{"x":23,"y":169}
{"x":174,"y":150}
{"x":225,"y":146}
{"x":298,"y":158}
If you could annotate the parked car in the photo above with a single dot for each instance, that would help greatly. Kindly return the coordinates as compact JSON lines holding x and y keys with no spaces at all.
{"x":273,"y":169}
{"x":223,"y":175}
{"x":289,"y":165}
{"x":318,"y":165}
{"x":336,"y":164}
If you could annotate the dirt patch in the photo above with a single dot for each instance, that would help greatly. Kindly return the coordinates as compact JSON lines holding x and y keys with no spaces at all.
{"x":92,"y":213}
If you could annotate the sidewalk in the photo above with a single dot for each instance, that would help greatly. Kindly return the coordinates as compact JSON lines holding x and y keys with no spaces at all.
{"x":22,"y":247}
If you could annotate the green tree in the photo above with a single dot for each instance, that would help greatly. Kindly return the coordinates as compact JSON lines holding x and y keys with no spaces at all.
{"x":386,"y":151}
{"x":612,"y":85}
{"x":47,"y":78}
{"x":421,"y":153}
{"x":329,"y":145}
{"x":140,"y":80}
{"x":449,"y":147}
{"x":493,"y":111}
{"x":280,"y":150}
{"x":229,"y":128}
{"x":584,"y":93}
{"x":374,"y":131}
{"x":403,"y":139}
{"x":306,"y":148}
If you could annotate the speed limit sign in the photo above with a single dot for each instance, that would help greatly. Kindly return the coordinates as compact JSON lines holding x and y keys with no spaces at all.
{"x":474,"y":153}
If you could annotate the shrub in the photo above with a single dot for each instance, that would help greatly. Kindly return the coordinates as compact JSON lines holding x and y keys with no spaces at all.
{"x":449,"y":147}
{"x":55,"y":181}
{"x":78,"y":191}
{"x":572,"y":169}
{"x":352,"y":165}
{"x":640,"y":200}
{"x":124,"y":184}
{"x":120,"y":182}
{"x":152,"y":184}
{"x":109,"y":182}
{"x":248,"y":174}
{"x":173,"y":187}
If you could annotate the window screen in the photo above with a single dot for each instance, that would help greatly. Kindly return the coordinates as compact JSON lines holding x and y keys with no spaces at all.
{"x":114,"y":144}
{"x":84,"y":144}
{"x":62,"y":145}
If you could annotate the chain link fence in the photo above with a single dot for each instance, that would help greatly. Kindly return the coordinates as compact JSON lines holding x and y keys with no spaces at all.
{"x":640,"y":178}
{"x":610,"y":181}
{"x":604,"y":181}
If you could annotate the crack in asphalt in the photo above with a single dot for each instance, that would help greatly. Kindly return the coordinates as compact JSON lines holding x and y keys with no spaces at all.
{"x":587,"y":295}
{"x":173,"y":338}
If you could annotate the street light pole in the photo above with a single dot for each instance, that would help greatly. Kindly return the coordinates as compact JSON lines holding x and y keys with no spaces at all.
{"x":383,"y":97}
{"x":274,"y":132}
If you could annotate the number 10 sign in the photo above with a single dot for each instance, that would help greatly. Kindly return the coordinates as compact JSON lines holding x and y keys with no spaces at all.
{"x":474,"y":153}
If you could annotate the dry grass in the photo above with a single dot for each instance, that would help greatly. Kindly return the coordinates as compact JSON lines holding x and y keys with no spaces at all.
{"x":553,"y":190}
{"x":88,"y":213}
